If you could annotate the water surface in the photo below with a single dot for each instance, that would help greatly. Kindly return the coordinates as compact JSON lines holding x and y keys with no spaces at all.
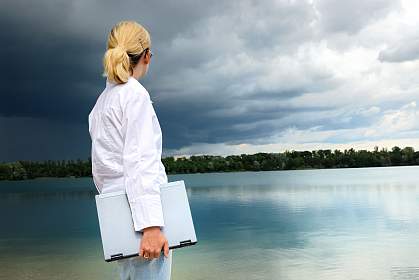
{"x":307,"y":224}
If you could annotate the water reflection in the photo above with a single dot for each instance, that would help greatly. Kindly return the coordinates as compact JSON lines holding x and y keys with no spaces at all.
{"x":315,"y":224}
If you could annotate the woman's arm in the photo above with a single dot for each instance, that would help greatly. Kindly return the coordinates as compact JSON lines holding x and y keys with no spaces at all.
{"x":141,"y":162}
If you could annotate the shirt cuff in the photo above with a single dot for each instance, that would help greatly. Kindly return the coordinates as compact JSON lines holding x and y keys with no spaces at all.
{"x":147,"y":211}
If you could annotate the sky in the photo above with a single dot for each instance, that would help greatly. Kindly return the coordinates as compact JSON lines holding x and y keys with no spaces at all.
{"x":226,"y":77}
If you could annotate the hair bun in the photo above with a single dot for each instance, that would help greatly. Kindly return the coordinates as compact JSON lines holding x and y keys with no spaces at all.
{"x":120,"y":48}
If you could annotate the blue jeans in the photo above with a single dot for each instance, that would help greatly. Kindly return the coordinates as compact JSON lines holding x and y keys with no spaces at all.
{"x":138,"y":268}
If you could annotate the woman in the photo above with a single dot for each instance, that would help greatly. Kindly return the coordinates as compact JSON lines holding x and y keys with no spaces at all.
{"x":127,"y":145}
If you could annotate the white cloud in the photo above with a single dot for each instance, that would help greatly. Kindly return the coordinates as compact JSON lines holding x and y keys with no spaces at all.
{"x":406,"y":119}
{"x":237,"y":149}
{"x":405,"y":50}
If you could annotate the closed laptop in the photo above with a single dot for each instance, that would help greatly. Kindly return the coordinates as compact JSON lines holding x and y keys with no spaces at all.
{"x":120,"y":240}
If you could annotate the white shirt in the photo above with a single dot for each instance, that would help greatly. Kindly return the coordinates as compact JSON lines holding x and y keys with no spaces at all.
{"x":126,"y":149}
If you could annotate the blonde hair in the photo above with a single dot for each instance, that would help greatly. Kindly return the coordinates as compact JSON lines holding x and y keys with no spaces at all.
{"x":126,"y":43}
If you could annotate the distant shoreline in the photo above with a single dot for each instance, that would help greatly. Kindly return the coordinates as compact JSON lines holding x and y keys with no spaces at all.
{"x":243,"y":171}
{"x":288,"y":160}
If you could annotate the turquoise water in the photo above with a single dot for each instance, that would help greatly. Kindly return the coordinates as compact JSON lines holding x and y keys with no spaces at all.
{"x":308,"y":224}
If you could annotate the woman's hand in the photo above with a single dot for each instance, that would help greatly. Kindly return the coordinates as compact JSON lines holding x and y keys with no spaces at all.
{"x":152,"y":241}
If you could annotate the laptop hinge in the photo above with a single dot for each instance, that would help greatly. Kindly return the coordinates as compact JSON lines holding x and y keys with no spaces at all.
{"x":116,"y":256}
{"x":185,"y":242}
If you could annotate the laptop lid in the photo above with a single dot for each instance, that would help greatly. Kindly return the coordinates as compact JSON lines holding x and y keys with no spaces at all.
{"x":120,"y":240}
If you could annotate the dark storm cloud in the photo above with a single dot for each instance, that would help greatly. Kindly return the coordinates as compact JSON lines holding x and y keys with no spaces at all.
{"x":42,"y":139}
{"x":52,"y":54}
{"x":222,"y":72}
{"x":47,"y":72}
{"x":54,"y":51}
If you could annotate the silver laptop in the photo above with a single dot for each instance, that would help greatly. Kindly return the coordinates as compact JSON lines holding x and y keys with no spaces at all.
{"x":120,"y":240}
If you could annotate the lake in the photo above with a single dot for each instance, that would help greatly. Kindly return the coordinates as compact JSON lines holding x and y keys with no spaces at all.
{"x":360,"y":223}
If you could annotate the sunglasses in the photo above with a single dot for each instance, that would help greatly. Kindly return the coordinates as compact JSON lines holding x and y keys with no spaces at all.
{"x":138,"y":56}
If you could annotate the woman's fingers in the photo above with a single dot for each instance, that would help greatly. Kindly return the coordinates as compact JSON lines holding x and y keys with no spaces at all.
{"x":155,"y":253}
{"x":149,"y":253}
{"x":152,"y":248}
{"x":144,"y":251}
{"x":166,"y":248}
{"x":141,"y":251}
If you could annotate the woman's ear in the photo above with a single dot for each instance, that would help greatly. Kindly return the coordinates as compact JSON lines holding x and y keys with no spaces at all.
{"x":147,"y":57}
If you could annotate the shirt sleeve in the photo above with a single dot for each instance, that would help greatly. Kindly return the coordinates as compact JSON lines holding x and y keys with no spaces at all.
{"x":141,"y":161}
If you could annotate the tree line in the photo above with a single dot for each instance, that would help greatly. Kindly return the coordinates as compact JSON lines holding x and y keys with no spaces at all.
{"x":288,"y":160}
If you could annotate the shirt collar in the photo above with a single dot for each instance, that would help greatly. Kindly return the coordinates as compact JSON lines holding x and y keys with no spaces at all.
{"x":109,"y":83}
